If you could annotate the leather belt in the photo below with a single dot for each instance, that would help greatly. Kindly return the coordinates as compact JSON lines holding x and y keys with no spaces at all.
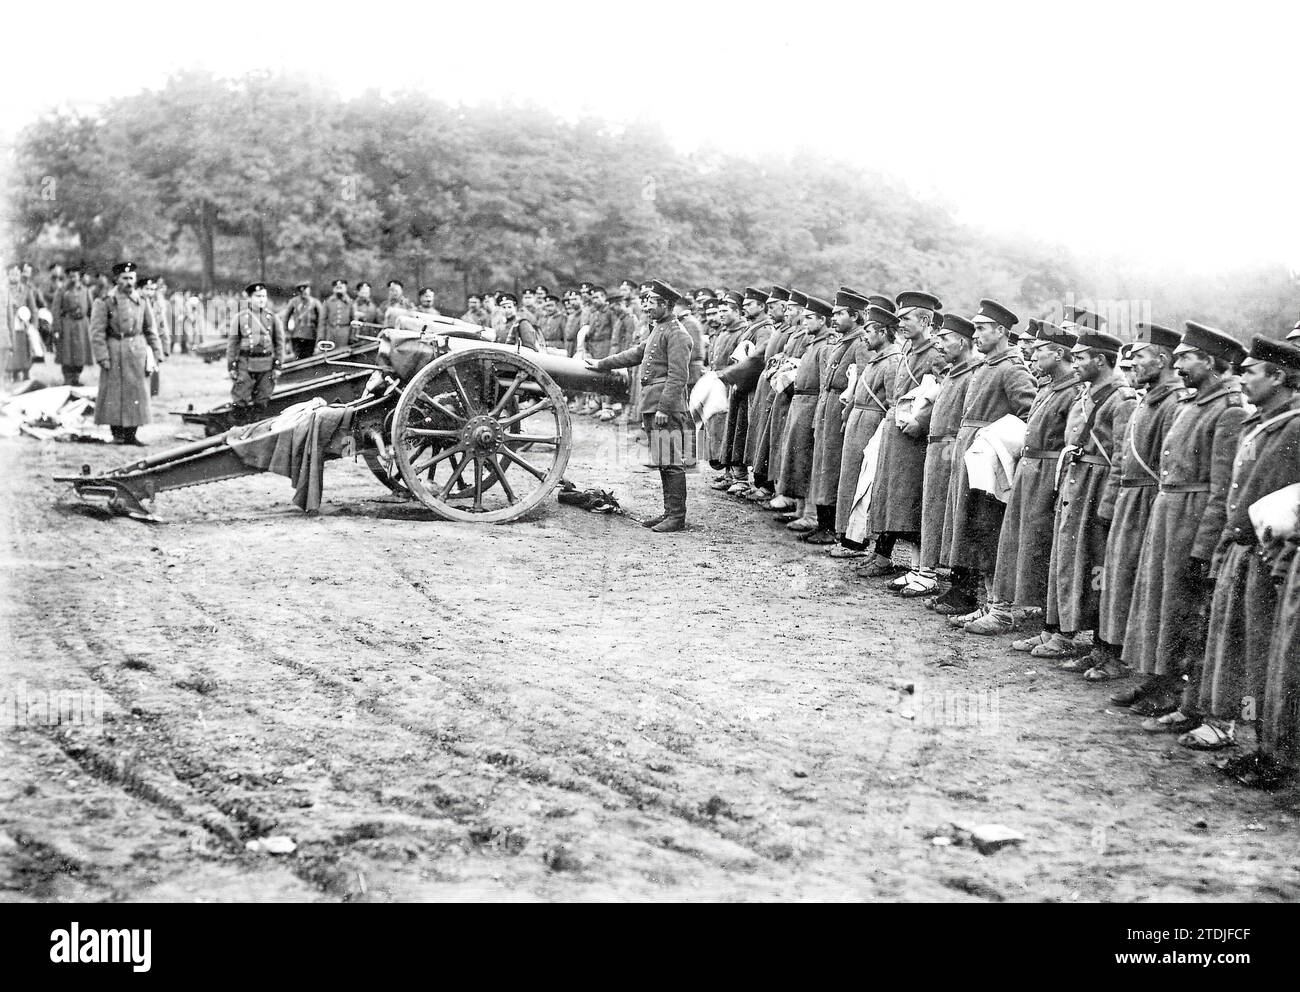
{"x":1092,"y":460}
{"x":248,"y":353}
{"x":1136,"y":483}
{"x":653,"y":382}
{"x":119,"y":335}
{"x":1040,"y":453}
{"x":941,"y":437}
{"x":1185,"y":487}
{"x":806,"y":392}
{"x":866,"y":406}
{"x":976,"y":423}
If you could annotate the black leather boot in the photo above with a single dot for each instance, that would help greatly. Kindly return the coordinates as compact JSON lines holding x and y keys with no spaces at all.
{"x":656,"y":520}
{"x":674,"y":501}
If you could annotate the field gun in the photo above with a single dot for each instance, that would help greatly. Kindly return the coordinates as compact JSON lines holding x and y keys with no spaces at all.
{"x":472,"y":429}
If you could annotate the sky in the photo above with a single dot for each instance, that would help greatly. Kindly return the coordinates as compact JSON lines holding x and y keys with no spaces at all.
{"x":1168,"y":133}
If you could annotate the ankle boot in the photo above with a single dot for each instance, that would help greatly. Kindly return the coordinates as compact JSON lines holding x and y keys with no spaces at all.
{"x":674,"y":501}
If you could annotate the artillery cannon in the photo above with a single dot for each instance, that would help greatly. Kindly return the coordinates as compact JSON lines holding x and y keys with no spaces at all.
{"x":473,"y":430}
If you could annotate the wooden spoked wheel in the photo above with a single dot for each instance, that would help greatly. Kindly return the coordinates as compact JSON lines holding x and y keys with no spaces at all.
{"x":481,"y":434}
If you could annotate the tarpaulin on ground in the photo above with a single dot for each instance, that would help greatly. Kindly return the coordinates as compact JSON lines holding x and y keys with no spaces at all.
{"x":294,"y":445}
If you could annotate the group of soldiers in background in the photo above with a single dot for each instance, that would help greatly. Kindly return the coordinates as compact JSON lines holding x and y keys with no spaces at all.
{"x":52,"y":322}
{"x":1115,"y":493}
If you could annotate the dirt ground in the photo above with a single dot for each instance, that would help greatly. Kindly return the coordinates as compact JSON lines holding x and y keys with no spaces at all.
{"x":567,"y":708}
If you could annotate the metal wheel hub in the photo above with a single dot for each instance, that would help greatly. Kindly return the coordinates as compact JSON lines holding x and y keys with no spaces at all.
{"x":482,"y":434}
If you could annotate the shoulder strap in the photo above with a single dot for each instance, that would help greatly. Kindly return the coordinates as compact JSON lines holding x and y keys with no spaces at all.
{"x":1132,"y":447}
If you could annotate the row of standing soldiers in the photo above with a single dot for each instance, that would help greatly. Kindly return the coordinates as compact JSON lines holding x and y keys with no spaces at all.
{"x":1120,"y":515}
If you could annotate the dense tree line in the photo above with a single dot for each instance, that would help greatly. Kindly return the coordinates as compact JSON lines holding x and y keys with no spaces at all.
{"x":215,"y":181}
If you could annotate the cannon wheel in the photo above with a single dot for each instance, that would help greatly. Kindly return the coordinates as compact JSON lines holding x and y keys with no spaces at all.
{"x":463,"y":425}
{"x":389,"y":472}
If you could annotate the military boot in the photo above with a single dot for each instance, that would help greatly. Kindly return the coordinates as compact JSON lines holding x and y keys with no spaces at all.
{"x":674,"y":501}
{"x":659,"y":518}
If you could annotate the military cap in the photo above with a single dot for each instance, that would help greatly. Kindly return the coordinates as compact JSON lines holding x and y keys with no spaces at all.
{"x":884,"y":302}
{"x":1216,"y":344}
{"x":993,"y":312}
{"x":914,"y":299}
{"x":1088,"y":319}
{"x":757,"y":295}
{"x":1097,"y":341}
{"x":502,"y":297}
{"x":1049,"y":333}
{"x":877,"y":314}
{"x":146,"y":281}
{"x":615,"y":294}
{"x":956,"y":324}
{"x":253,"y":287}
{"x":850,"y":289}
{"x":552,"y":296}
{"x":584,"y":287}
{"x":846,"y":299}
{"x":1278,"y":353}
{"x":779,"y":293}
{"x":665,"y":291}
{"x":1153,"y":334}
{"x":122,"y":267}
{"x":1126,"y":355}
{"x":798,"y":299}
{"x":597,"y":289}
{"x":708,"y":303}
{"x":1068,"y":313}
{"x":337,"y":282}
{"x":1031,"y":327}
{"x":819,"y":307}
{"x":731,"y":296}
{"x":542,"y":290}
{"x":302,"y":285}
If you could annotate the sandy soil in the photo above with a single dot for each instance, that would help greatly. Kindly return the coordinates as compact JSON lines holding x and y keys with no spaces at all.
{"x":567,"y":708}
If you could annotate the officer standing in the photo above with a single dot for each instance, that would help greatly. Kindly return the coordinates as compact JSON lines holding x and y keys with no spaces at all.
{"x":665,"y":360}
{"x":337,"y":311}
{"x":253,"y":355}
{"x":121,"y":334}
{"x":305,"y":313}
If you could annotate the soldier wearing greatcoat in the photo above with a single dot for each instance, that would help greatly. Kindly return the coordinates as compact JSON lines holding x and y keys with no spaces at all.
{"x":791,"y":353}
{"x":1025,"y":541}
{"x":956,"y":341}
{"x":896,"y":493}
{"x":741,"y":377}
{"x":1165,"y":639}
{"x":797,"y":453}
{"x":1086,"y":493}
{"x":122,"y":334}
{"x":758,"y":440}
{"x":828,"y":436}
{"x":869,"y":403}
{"x":1000,"y":386}
{"x":1234,"y":680}
{"x":71,"y":308}
{"x":1138,"y":472}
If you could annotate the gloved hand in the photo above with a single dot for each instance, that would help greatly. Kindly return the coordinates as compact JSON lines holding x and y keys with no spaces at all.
{"x":661,"y":419}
